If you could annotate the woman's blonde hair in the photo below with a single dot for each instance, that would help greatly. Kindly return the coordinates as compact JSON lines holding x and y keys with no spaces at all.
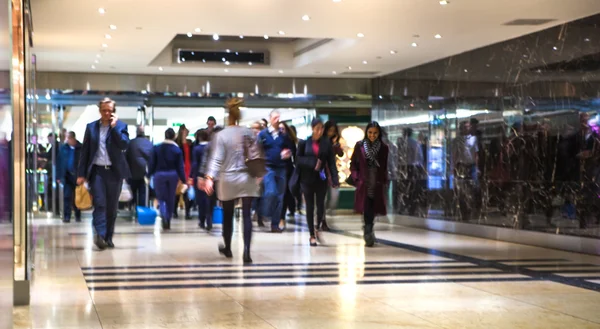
{"x":233,"y":108}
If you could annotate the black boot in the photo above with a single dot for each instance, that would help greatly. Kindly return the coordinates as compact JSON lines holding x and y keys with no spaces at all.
{"x":99,"y":242}
{"x":225,"y":251}
{"x":247,"y":259}
{"x":369,"y":235}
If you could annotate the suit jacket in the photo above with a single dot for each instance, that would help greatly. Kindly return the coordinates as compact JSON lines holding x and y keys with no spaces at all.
{"x":117,"y":142}
{"x":63,"y":159}
{"x":306,"y":161}
{"x":139,"y":155}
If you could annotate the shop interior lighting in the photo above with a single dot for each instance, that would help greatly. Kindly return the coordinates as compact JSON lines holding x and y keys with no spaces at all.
{"x":215,"y":37}
{"x":102,"y":11}
{"x":112,"y":27}
{"x":306,"y":18}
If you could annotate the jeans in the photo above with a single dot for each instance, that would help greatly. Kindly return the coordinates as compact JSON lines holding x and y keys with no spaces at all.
{"x":69,"y":202}
{"x":228,"y":209}
{"x":106,"y":189}
{"x":275,"y":186}
{"x":165,"y":185}
{"x":204,"y":211}
{"x":317,"y":190}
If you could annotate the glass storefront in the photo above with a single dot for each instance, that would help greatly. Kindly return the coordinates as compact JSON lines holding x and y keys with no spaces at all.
{"x":501,"y":142}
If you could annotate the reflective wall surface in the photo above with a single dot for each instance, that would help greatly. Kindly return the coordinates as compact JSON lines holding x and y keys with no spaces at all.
{"x":505,"y":135}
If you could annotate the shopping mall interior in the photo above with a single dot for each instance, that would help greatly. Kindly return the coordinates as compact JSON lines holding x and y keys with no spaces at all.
{"x":489,"y":112}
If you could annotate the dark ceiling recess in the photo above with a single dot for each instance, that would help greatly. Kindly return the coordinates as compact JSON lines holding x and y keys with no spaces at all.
{"x":588,"y":63}
{"x":231,"y":57}
{"x":529,"y":21}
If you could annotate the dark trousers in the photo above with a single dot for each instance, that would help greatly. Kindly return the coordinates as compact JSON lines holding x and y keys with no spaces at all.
{"x":187,"y":203}
{"x":138,"y":191}
{"x":289,"y":203}
{"x":165,"y":185}
{"x":205,"y":212}
{"x":69,"y":202}
{"x":106,"y":188}
{"x":228,"y":209}
{"x":314,"y":193}
{"x":275,"y":185}
{"x":369,"y":214}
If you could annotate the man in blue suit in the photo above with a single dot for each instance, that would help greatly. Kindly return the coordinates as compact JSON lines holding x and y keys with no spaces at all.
{"x":103,"y":164}
{"x":66,"y":173}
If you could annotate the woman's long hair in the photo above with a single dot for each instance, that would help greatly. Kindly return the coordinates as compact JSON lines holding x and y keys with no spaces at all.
{"x":233,"y":108}
{"x":326,"y":128}
{"x":179,"y":140}
{"x":290,"y":132}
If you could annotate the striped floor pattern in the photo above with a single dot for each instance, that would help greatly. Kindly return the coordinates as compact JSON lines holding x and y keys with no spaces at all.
{"x":182,"y":276}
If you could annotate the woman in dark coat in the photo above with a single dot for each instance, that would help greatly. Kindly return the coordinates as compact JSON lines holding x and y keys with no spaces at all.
{"x":368,"y":168}
{"x":315,"y":160}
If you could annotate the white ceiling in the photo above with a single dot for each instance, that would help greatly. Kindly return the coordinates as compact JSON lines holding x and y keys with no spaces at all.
{"x":69,"y":34}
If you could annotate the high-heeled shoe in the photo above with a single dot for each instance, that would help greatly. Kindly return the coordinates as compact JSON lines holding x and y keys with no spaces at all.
{"x":225,"y":251}
{"x":247,"y":259}
{"x":313,"y":242}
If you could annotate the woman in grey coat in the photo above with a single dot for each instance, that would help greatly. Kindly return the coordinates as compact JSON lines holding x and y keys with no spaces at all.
{"x":228,"y":163}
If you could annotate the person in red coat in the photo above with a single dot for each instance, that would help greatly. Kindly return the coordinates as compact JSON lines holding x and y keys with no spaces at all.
{"x":368,"y":168}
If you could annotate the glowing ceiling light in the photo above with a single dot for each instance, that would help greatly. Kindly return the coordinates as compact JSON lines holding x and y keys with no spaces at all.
{"x":160,"y":68}
{"x":334,"y":72}
{"x":241,"y":36}
{"x":280,"y":71}
{"x":102,"y":11}
{"x":108,"y":36}
{"x":266,"y":37}
{"x":306,"y":18}
{"x":250,"y":63}
{"x":189,"y":34}
{"x":281,"y":33}
{"x":198,"y":30}
{"x":215,"y":37}
{"x":414,"y":44}
{"x":438,"y":36}
{"x":360,"y":35}
{"x":104,"y":45}
{"x":112,"y":27}
{"x":93,"y":67}
{"x":444,"y":2}
{"x":226,"y":70}
{"x":393,"y":52}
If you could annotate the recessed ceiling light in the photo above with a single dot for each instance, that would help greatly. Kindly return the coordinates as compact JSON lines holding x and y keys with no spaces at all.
{"x":250,"y":63}
{"x":203,"y":60}
{"x":93,"y":67}
{"x":104,"y":45}
{"x":306,"y":18}
{"x":102,"y":11}
{"x":438,"y":36}
{"x":112,"y":27}
{"x":444,"y":2}
{"x":586,"y":39}
{"x":466,"y":71}
{"x":228,"y":50}
{"x":365,"y":62}
{"x":555,"y":48}
{"x":189,"y":34}
{"x":487,"y":65}
{"x":160,"y":68}
{"x":108,"y":36}
{"x":251,"y":51}
{"x":99,"y":56}
{"x":223,"y":59}
{"x":280,"y":71}
{"x":215,"y":37}
{"x":360,"y":35}
{"x":226,"y":70}
{"x":393,"y":52}
{"x":96,"y":61}
{"x":266,"y":37}
{"x":281,"y":33}
{"x":334,"y":72}
{"x":349,"y":67}
{"x":241,"y":36}
{"x":414,"y":44}
{"x":198,"y":30}
{"x":227,"y":63}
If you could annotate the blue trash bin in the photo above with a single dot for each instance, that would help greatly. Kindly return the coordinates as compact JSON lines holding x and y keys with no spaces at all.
{"x":218,"y":215}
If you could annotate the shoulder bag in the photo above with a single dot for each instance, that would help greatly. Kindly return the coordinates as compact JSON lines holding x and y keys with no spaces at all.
{"x":254,"y":157}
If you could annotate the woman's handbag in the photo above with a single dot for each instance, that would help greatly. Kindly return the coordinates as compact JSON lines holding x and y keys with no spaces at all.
{"x":294,"y":183}
{"x":350,"y":181}
{"x":254,"y":157}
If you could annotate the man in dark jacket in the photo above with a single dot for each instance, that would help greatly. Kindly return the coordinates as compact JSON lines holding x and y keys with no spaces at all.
{"x":138,"y":157}
{"x":278,"y":148}
{"x":66,"y":173}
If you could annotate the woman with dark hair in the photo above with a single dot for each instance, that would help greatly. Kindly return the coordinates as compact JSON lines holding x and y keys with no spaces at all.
{"x":186,"y":148}
{"x":368,"y":168}
{"x":297,"y":194}
{"x":316,"y":164}
{"x":167,"y":168}
{"x":202,"y":200}
{"x":333,"y":134}
{"x":235,"y":182}
{"x":289,"y":203}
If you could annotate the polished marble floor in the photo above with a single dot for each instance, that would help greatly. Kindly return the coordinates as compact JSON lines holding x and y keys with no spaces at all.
{"x":412,"y":279}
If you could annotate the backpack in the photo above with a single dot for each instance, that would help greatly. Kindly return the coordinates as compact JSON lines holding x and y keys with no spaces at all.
{"x":254,"y":157}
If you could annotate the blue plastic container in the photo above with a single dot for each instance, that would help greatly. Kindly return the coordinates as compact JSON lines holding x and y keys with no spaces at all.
{"x":146,"y":216}
{"x":218,"y":215}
